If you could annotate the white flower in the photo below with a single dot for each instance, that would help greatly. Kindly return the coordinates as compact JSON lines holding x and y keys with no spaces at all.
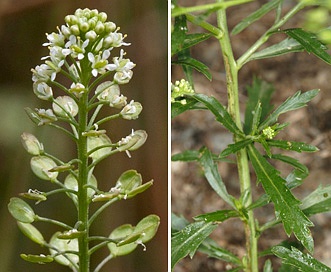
{"x":99,"y":62}
{"x":75,"y":47}
{"x":42,"y":90}
{"x":43,"y":72}
{"x":54,"y":39}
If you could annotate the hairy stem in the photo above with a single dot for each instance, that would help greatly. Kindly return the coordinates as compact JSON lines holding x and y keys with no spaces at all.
{"x":231,"y":71}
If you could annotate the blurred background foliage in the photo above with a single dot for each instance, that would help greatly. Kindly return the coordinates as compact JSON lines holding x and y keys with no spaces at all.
{"x":23,"y":25}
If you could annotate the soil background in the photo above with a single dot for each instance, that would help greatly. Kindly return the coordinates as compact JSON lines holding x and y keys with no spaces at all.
{"x":192,"y":195}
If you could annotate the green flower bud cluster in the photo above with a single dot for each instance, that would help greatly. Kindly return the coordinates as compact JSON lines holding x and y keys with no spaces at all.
{"x":179,"y":90}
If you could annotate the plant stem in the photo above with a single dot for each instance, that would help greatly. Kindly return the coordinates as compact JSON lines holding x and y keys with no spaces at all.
{"x":84,"y":258}
{"x":231,"y":71}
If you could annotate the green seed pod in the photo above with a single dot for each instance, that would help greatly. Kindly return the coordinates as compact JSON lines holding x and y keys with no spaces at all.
{"x":40,"y":259}
{"x":31,"y":232}
{"x":41,"y":165}
{"x":147,"y":227}
{"x":131,"y":111}
{"x":119,"y":234}
{"x":31,"y":144}
{"x":64,"y":106}
{"x":34,"y":195}
{"x":21,"y":210}
{"x":63,"y":245}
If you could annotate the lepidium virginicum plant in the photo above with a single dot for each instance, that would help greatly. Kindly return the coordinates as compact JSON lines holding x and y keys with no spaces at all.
{"x":80,"y":52}
{"x":254,"y":138}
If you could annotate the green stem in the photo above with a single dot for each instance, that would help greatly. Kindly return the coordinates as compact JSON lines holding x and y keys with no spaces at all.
{"x":273,"y":29}
{"x":231,"y":71}
{"x":83,"y":213}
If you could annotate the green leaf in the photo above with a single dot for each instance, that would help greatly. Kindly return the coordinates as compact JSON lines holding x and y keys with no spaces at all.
{"x":286,"y":46}
{"x":234,"y":148}
{"x":303,"y":262}
{"x":211,"y":248}
{"x":256,"y":15}
{"x":297,"y":101}
{"x":178,"y":108}
{"x":195,"y":64}
{"x":291,"y":161}
{"x":220,"y":112}
{"x":212,"y":175}
{"x":267,"y":266}
{"x":187,"y":241}
{"x":286,"y":205}
{"x":294,"y":146}
{"x":259,"y":92}
{"x":218,"y":216}
{"x":319,"y":201}
{"x":186,"y":156}
{"x":191,"y":40}
{"x":178,"y":35}
{"x":310,"y":43}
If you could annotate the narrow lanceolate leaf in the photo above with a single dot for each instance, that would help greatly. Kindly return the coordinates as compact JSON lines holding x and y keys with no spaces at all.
{"x":318,"y":201}
{"x":294,"y":146}
{"x":291,"y":161}
{"x":178,"y":108}
{"x":297,"y":101}
{"x":302,"y":261}
{"x":191,"y":40}
{"x":218,"y":216}
{"x":234,"y":148}
{"x":310,"y":43}
{"x":284,"y":47}
{"x":211,"y":173}
{"x":255,"y":16}
{"x":213,"y":250}
{"x":219,"y":111}
{"x":187,"y":241}
{"x":195,"y":64}
{"x":286,"y":205}
{"x":258,"y":104}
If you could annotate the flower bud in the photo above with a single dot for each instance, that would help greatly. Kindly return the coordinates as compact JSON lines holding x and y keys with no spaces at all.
{"x":74,"y":29}
{"x":83,"y":26}
{"x":40,"y":166}
{"x":99,"y":28}
{"x":91,"y":35}
{"x":102,"y":17}
{"x":131,"y":111}
{"x":109,"y":27}
{"x":64,"y":106}
{"x":31,"y":144}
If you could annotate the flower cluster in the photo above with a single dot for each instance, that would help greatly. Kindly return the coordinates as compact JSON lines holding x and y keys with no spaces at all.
{"x":86,"y":39}
{"x":179,"y":90}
